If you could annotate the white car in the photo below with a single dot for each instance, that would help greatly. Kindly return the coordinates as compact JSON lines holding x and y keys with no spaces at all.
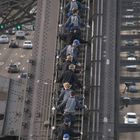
{"x":128,"y":23}
{"x":4,"y":39}
{"x":27,"y":44}
{"x":131,"y":67}
{"x":20,"y":34}
{"x":131,"y":118}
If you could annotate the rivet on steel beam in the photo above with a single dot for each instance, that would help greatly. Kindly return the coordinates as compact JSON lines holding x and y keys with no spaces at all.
{"x":53,"y":127}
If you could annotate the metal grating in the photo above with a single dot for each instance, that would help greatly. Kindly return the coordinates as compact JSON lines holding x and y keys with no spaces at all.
{"x":4,"y":84}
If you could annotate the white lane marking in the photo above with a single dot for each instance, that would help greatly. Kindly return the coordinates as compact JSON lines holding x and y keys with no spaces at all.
{"x":22,"y":56}
{"x":37,"y":81}
{"x":11,"y":60}
{"x":107,"y":61}
{"x":16,"y":54}
{"x":0,"y":54}
{"x":45,"y":83}
{"x":5,"y":48}
{"x":18,"y":63}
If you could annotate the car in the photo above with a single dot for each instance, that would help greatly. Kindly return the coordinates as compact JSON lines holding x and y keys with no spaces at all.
{"x":131,"y":67}
{"x":128,"y":23}
{"x":11,"y":31}
{"x":13,"y":44}
{"x":124,"y":101}
{"x":23,"y":75}
{"x":131,"y":53}
{"x":132,"y":88}
{"x":13,"y":68}
{"x":4,"y":39}
{"x":131,"y":118}
{"x":27,"y":44}
{"x":20,"y":34}
{"x":130,"y":43}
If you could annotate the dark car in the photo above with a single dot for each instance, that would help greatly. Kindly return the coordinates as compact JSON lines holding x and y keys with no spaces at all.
{"x":23,"y":75}
{"x":13,"y":68}
{"x":11,"y":31}
{"x":13,"y":44}
{"x":131,"y":87}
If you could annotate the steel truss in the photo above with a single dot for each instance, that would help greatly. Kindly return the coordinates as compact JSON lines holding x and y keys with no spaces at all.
{"x":17,"y":11}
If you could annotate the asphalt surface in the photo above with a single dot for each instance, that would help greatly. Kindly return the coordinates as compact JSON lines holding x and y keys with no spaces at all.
{"x":130,"y":135}
{"x":131,"y":108}
{"x":14,"y":55}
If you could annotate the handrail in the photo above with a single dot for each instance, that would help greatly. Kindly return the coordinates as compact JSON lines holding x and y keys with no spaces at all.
{"x":84,"y":74}
{"x":55,"y":88}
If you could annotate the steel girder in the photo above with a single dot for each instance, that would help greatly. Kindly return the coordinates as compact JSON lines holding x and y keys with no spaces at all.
{"x":17,"y":11}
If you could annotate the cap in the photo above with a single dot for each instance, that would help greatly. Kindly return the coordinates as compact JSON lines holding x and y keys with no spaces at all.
{"x":76,"y":42}
{"x":66,"y":136}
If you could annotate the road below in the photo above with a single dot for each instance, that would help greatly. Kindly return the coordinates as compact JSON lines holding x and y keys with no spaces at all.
{"x":14,"y":55}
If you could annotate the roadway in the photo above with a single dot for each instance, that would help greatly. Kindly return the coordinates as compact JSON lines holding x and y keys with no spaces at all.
{"x":14,"y":55}
{"x":130,"y":135}
{"x":131,"y":108}
{"x":129,"y":33}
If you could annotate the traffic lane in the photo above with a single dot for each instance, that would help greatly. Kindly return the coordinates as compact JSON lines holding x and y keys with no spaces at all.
{"x":25,"y":55}
{"x":15,"y":55}
{"x":124,"y":55}
{"x":124,"y":90}
{"x":22,"y":56}
{"x":131,"y":108}
{"x":18,"y":56}
{"x":130,"y":135}
{"x":5,"y":53}
{"x":124,"y":71}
